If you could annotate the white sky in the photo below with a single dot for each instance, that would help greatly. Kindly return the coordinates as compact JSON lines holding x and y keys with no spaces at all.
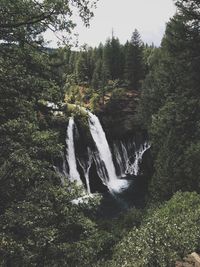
{"x":148,"y":16}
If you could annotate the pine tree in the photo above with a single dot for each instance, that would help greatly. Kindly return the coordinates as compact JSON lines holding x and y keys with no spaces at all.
{"x":171,"y":90}
{"x":32,"y":200}
{"x":85,"y":65}
{"x":113,"y":58}
{"x":134,"y":69}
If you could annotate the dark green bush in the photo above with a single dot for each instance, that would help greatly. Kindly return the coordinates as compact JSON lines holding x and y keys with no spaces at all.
{"x":167,"y":234}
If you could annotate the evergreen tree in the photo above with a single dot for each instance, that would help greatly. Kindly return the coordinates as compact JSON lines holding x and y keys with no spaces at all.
{"x":72,"y":62}
{"x":134,"y":69}
{"x":172,"y":91}
{"x":35,"y":210}
{"x":113,"y":58}
{"x":85,"y":65}
{"x":97,"y":75}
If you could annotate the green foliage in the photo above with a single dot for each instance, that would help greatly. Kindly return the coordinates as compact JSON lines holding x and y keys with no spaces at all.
{"x":153,"y":93}
{"x":134,"y":67}
{"x":24,"y":21}
{"x":47,"y":230}
{"x":167,"y":234}
{"x":116,"y":95}
{"x":169,"y":105}
{"x":39,"y":224}
{"x":73,"y":95}
{"x":94,"y":102}
{"x":113,"y":58}
{"x":84,"y":66}
{"x":98,"y":67}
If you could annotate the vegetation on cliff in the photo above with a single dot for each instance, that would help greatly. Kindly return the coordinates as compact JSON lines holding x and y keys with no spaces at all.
{"x":132,"y":87}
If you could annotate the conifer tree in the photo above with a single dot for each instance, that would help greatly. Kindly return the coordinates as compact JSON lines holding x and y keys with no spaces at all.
{"x":134,"y":70}
{"x":171,"y":90}
{"x":113,"y":58}
{"x":85,"y":65}
{"x":33,"y":204}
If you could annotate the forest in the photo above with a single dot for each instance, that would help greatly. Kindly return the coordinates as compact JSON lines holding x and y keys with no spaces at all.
{"x":99,"y":147}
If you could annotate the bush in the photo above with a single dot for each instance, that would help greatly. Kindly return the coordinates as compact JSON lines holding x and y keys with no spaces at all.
{"x":168,"y":233}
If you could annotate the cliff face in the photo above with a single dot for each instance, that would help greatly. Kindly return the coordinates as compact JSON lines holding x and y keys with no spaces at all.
{"x":116,"y":110}
{"x":118,"y":116}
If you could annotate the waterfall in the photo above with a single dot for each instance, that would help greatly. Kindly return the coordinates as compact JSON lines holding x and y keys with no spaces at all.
{"x":133,"y":168}
{"x":122,"y":158}
{"x":105,"y":157}
{"x":70,"y":153}
{"x":127,"y":161}
{"x":86,"y":165}
{"x":114,"y":169}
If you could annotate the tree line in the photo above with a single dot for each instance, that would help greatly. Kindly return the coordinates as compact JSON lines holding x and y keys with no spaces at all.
{"x":94,"y":67}
{"x":39,"y":225}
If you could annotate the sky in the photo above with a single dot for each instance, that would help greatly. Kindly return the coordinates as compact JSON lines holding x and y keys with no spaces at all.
{"x":123,"y":17}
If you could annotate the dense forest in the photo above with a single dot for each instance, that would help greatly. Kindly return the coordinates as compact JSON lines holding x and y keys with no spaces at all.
{"x":136,"y":90}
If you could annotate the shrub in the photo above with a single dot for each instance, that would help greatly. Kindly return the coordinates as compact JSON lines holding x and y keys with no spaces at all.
{"x":167,"y":234}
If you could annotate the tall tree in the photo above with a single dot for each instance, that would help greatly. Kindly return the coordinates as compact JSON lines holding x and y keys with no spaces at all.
{"x":30,"y":142}
{"x":172,"y":90}
{"x":113,"y":58}
{"x":39,"y":16}
{"x":134,"y":69}
{"x":85,"y":65}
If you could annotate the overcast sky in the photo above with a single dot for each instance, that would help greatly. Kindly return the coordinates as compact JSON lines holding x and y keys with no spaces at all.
{"x":123,"y":16}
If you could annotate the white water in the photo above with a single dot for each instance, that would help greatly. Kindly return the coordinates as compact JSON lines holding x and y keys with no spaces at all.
{"x":100,"y":167}
{"x":99,"y":137}
{"x":86,"y":165}
{"x":127,"y":158}
{"x":122,"y":158}
{"x":133,"y":168}
{"x":128,"y":162}
{"x":70,"y":153}
{"x":84,"y":199}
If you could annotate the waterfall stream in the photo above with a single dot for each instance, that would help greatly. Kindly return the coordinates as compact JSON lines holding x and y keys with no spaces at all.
{"x":86,"y":165}
{"x":70,"y":153}
{"x":112,"y":166}
{"x":133,"y":168}
{"x":105,"y":157}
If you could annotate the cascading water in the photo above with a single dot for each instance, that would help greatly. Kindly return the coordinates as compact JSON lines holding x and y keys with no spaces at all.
{"x":121,"y":155}
{"x":128,"y":162}
{"x":86,"y":165}
{"x":116,"y":175}
{"x":99,"y":137}
{"x":70,"y":153}
{"x":133,"y":168}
